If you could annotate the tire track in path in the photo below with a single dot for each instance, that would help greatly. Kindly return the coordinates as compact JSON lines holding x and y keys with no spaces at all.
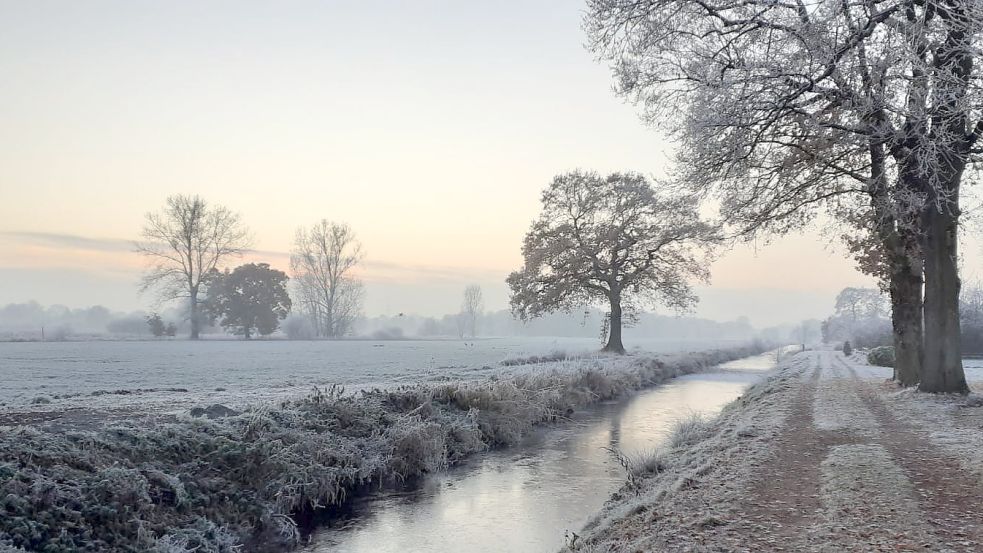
{"x":785,"y":501}
{"x":950,"y":498}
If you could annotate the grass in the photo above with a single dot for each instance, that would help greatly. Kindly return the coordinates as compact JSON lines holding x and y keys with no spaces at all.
{"x":253,"y":481}
{"x":688,"y":430}
{"x":551,"y":357}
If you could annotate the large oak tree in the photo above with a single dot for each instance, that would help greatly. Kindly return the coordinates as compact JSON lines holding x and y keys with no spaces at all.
{"x":610,"y":240}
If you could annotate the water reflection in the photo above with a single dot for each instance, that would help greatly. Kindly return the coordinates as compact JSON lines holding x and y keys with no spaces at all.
{"x":524,"y":499}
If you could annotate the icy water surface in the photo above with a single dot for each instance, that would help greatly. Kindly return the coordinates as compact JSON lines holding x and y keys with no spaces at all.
{"x":525,"y":499}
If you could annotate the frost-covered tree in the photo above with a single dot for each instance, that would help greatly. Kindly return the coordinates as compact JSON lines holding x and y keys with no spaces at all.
{"x":869,"y":108}
{"x":184,"y":243}
{"x":472,"y":307}
{"x":251,"y":299}
{"x":323,"y":262}
{"x":610,"y":240}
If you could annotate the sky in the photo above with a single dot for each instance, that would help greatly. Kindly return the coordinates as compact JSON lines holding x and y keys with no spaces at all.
{"x":429,"y":127}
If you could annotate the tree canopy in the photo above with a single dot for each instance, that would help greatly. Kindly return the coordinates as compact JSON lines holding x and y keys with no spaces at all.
{"x":250,"y":299}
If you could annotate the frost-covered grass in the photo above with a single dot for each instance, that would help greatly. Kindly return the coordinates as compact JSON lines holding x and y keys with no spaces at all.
{"x":163,"y":374}
{"x":688,"y":430}
{"x":551,"y":357}
{"x":248,"y":482}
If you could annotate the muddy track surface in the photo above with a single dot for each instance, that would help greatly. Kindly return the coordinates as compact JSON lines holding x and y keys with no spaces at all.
{"x":865,"y":481}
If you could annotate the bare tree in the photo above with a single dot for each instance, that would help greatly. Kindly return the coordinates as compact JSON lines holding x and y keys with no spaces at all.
{"x":782,"y":108}
{"x":323,"y":262}
{"x":184,"y":243}
{"x":471,"y":308}
{"x":613,"y":240}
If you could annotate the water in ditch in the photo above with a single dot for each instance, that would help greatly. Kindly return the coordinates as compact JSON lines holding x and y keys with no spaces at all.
{"x":526,"y":498}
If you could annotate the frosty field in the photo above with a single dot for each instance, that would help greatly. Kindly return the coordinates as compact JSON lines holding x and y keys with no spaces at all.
{"x":175,"y":373}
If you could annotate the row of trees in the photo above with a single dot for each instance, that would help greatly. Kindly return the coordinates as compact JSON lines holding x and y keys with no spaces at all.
{"x":862,"y":316}
{"x":868,"y":111}
{"x":189,"y":242}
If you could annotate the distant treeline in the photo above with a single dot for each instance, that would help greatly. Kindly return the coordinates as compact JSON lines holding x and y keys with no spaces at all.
{"x":25,"y":321}
{"x":586,"y":324}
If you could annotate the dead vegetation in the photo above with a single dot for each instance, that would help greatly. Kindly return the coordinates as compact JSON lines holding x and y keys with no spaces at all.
{"x":244,"y":482}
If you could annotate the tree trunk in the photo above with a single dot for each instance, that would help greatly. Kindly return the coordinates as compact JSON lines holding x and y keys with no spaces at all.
{"x":953,"y":61}
{"x":906,"y":320}
{"x":614,"y":344}
{"x":943,"y":369}
{"x":194,"y":315}
{"x":898,"y":237}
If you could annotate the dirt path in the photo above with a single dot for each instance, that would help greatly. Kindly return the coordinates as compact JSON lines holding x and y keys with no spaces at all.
{"x":862,"y":482}
{"x":836,"y":461}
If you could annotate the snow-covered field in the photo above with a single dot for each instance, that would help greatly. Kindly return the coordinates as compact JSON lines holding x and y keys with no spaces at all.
{"x":238,"y":371}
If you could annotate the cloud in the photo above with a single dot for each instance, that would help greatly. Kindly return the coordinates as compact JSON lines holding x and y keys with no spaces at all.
{"x":387,"y":271}
{"x":69,"y":241}
{"x":370,"y":269}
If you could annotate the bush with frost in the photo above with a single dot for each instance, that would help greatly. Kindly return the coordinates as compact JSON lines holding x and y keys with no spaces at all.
{"x":882,"y":356}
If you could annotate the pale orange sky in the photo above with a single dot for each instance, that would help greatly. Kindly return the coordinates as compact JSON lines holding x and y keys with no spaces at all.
{"x":430,"y":129}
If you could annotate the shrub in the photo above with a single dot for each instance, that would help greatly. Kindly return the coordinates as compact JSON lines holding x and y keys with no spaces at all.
{"x":847,"y":348}
{"x":882,"y":356}
{"x":298,"y":327}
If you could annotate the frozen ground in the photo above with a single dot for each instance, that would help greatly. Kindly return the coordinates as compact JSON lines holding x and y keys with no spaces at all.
{"x":175,"y":374}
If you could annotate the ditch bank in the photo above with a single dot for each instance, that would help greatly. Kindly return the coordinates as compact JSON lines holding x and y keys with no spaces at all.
{"x":255,"y":481}
{"x":696,"y":483}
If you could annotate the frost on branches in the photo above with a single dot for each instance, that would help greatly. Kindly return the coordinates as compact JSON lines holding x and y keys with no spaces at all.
{"x":869,"y":110}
